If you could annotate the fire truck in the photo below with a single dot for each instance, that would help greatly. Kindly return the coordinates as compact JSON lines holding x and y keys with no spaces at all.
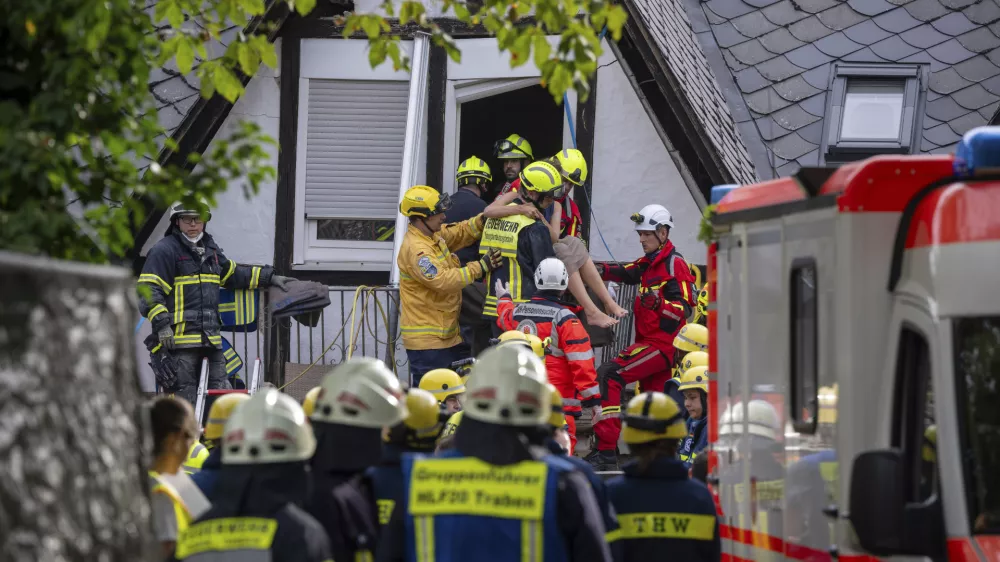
{"x":854,"y":325}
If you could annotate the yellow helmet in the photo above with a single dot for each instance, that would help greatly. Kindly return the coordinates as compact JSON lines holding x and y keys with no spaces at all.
{"x":220,"y":411}
{"x":574,"y":166}
{"x":517,"y":337}
{"x":452,"y":424}
{"x":651,"y":416}
{"x":703,"y":301}
{"x":692,"y":337}
{"x":557,"y":418}
{"x":473,"y":169}
{"x":309,"y":402}
{"x":696,"y":271}
{"x":693,"y":359}
{"x":424,"y":201}
{"x":541,"y":177}
{"x":514,"y":147}
{"x":695,"y":378}
{"x":422,"y":425}
{"x":442,"y":383}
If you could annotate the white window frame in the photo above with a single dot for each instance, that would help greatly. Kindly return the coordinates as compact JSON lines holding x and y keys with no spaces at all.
{"x":335,"y":59}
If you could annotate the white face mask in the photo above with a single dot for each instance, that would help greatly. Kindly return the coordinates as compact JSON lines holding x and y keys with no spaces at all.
{"x":196,"y":239}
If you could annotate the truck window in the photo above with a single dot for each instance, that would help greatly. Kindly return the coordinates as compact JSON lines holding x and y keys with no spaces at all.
{"x":977,"y":387}
{"x":803,"y":346}
{"x":914,"y":430}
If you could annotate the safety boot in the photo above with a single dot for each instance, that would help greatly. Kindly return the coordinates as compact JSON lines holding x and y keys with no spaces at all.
{"x":603,"y":461}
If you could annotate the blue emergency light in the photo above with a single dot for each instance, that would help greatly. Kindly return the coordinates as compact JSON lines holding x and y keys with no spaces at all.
{"x":978,"y":152}
{"x":720,"y":191}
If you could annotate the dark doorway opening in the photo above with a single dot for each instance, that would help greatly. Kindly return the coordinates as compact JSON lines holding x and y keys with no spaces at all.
{"x":530,"y":112}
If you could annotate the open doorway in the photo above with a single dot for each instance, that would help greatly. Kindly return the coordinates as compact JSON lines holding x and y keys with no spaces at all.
{"x":530,"y":112}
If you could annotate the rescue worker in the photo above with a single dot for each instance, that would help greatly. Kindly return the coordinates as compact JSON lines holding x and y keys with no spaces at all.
{"x":690,"y":338}
{"x":195,"y":459}
{"x":570,"y":359}
{"x":175,"y":499}
{"x":662,"y":304}
{"x":692,"y":359}
{"x":418,"y":433}
{"x":446,"y":387}
{"x":661,"y":511}
{"x":358,"y":398}
{"x":500,"y":498}
{"x":309,"y":402}
{"x":514,"y":153}
{"x":523,"y":241}
{"x":538,"y":346}
{"x":218,"y":414}
{"x":180,"y":298}
{"x":431,"y":279}
{"x":263,"y":483}
{"x":694,"y":387}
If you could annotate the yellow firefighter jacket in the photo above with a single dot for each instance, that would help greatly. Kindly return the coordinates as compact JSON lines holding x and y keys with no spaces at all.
{"x":431,"y":281}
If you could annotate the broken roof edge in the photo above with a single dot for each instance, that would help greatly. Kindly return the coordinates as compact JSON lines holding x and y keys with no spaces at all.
{"x":202,"y":123}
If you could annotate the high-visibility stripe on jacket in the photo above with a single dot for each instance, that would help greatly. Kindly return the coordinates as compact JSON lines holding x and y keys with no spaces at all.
{"x":524,"y":243}
{"x":181,"y":511}
{"x":196,"y":457}
{"x":431,"y":281}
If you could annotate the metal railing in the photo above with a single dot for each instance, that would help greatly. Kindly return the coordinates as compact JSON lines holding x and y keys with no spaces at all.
{"x":624,"y":331}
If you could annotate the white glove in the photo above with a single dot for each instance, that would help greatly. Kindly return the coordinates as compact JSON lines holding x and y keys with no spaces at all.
{"x":501,"y":289}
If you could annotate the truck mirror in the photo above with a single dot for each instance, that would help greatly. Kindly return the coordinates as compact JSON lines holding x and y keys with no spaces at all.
{"x":884,"y":522}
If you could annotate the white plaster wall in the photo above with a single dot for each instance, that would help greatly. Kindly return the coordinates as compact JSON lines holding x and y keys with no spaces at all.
{"x":632,"y":169}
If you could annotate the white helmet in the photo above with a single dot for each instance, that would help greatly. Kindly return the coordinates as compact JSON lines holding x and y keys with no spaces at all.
{"x":762,"y":419}
{"x":360,"y":392}
{"x":551,"y":275}
{"x":508,"y":387}
{"x":652,"y":216}
{"x":270,"y":427}
{"x":178,"y":210}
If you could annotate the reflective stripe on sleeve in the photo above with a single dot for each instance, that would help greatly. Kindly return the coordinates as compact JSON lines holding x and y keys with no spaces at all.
{"x":667,"y":526}
{"x":580,"y":355}
{"x":158,"y":309}
{"x":155,"y":280}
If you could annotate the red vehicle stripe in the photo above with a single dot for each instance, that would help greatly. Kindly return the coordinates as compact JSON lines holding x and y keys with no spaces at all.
{"x":886,"y":183}
{"x":774,"y":192}
{"x":990,"y":545}
{"x":955,"y":214}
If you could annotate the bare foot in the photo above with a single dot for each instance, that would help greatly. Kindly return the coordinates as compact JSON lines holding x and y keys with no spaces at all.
{"x":615,"y":310}
{"x":597,"y":318}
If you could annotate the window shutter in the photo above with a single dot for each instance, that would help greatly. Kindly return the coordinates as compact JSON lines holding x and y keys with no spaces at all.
{"x":354,"y":148}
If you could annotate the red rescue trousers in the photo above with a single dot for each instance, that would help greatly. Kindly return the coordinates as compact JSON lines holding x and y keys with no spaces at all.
{"x":638,"y":362}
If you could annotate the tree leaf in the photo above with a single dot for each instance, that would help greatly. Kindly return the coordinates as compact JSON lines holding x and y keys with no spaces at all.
{"x":303,"y":7}
{"x":227,"y":84}
{"x":248,"y":59}
{"x":185,"y":54}
{"x":268,"y":54}
{"x":542,"y":50}
{"x":616,"y":18}
{"x":175,"y":15}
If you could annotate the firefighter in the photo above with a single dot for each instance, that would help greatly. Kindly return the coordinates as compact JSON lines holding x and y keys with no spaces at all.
{"x":263,"y":482}
{"x":358,"y":398}
{"x":570,"y":361}
{"x":309,"y":402}
{"x":692,"y":337}
{"x":523,"y":241}
{"x":180,"y":284}
{"x":431,"y":279}
{"x":660,"y":509}
{"x":418,"y":433}
{"x":663,"y":302}
{"x":195,"y":459}
{"x":446,"y":387}
{"x":514,"y":152}
{"x":690,"y":360}
{"x":493,"y":496}
{"x":694,"y":387}
{"x":218,"y":414}
{"x":516,"y":337}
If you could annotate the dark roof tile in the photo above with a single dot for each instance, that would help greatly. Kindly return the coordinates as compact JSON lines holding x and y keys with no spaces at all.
{"x":896,"y":21}
{"x":807,"y":56}
{"x":809,"y":29}
{"x":793,"y":117}
{"x":974,"y":97}
{"x":769,"y":130}
{"x":812,"y":133}
{"x":818,"y":77}
{"x":992,"y":85}
{"x":753,"y":24}
{"x":733,"y":64}
{"x":783,"y":13}
{"x":958,"y":4}
{"x":870,"y":8}
{"x":954,"y":23}
{"x":950,"y":52}
{"x":792,"y":146}
{"x":932,"y":95}
{"x":967,"y":122}
{"x":978,"y":68}
{"x":945,"y":109}
{"x":815,"y":6}
{"x":923,"y":37}
{"x":922,"y":57}
{"x":926,"y":10}
{"x":766,"y":101}
{"x":994,"y":56}
{"x":750,"y":80}
{"x":899,"y":2}
{"x":866,"y":33}
{"x":940,"y":135}
{"x":926,"y":145}
{"x":787,"y":169}
{"x":930,"y":122}
{"x":750,"y":52}
{"x":760,"y":3}
{"x":729,"y":8}
{"x":947,"y":81}
{"x":778,"y":69}
{"x":726,"y":35}
{"x":810,"y":159}
{"x":780,"y":41}
{"x":840,"y":17}
{"x":995,"y":27}
{"x":864,"y":55}
{"x":837,"y":45}
{"x":979,"y":40}
{"x":950,"y":149}
{"x":989,"y":111}
{"x":815,"y":105}
{"x":713,"y":18}
{"x":983,"y":12}
{"x":893,"y":49}
{"x":795,"y":89}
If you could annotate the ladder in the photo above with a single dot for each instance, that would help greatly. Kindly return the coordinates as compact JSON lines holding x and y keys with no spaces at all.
{"x":206,"y":395}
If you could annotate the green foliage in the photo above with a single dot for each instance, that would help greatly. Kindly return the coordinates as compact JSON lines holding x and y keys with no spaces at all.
{"x":706,"y":233}
{"x":570,"y":65}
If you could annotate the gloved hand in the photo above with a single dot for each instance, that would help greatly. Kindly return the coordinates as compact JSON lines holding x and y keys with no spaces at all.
{"x":281,"y":282}
{"x":166,"y":337}
{"x":491,"y":260}
{"x":651,"y":300}
{"x":502,"y":289}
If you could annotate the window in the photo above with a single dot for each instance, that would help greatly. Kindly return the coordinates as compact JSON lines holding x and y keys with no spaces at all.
{"x":872,"y":111}
{"x":914,"y":430}
{"x":804,"y":351}
{"x":977,"y":374}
